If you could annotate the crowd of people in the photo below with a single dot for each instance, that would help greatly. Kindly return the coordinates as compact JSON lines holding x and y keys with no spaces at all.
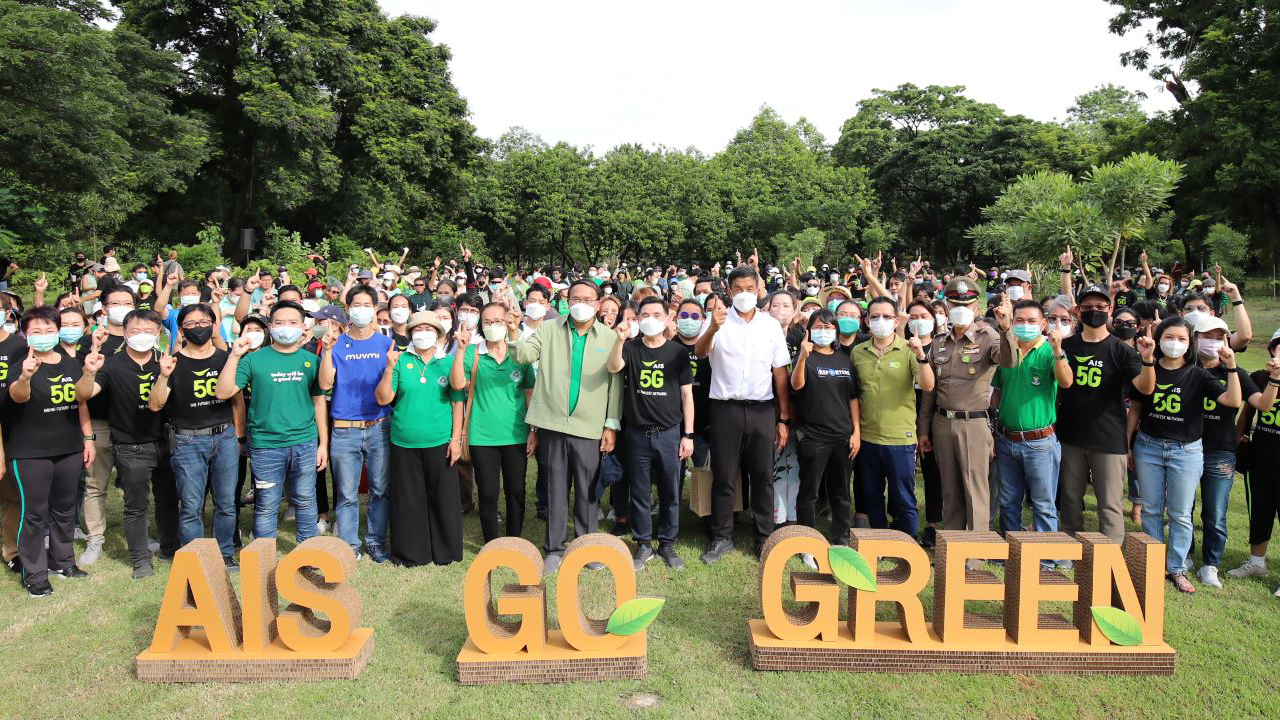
{"x":807,"y":395}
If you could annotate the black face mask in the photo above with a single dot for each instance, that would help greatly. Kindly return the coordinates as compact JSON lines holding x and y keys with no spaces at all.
{"x":1126,"y":333}
{"x":198,"y":335}
{"x":1093,"y":318}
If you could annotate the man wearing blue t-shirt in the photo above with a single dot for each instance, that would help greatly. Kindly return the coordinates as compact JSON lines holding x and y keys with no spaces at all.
{"x":351,"y":364}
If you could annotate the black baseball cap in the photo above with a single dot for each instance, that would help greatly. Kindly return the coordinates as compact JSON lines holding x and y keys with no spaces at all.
{"x":1095,"y":289}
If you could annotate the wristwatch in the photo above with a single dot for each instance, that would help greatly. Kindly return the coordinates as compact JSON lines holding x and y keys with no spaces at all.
{"x":93,"y":436}
{"x":785,"y":421}
{"x":688,"y":435}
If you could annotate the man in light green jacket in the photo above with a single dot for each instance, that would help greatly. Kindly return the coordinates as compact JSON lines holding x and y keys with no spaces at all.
{"x":575,"y":409}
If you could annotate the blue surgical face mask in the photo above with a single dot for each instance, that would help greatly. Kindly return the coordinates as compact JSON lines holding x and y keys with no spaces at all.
{"x":42,"y":343}
{"x":1026,"y":333}
{"x":286,"y":334}
{"x":834,"y":305}
{"x":848,"y":325}
{"x":688,"y":327}
{"x":822,"y":336}
{"x":70,"y":335}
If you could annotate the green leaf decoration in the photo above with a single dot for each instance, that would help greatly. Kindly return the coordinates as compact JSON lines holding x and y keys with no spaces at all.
{"x":633,"y":616}
{"x":851,"y":568}
{"x":1117,"y":625}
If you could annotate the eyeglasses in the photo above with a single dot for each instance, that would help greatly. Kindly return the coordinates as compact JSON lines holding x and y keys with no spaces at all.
{"x":197,"y":324}
{"x":1095,"y":306}
{"x":690,"y":316}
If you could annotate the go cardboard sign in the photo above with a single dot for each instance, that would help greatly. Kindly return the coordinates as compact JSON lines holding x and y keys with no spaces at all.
{"x":1117,"y":599}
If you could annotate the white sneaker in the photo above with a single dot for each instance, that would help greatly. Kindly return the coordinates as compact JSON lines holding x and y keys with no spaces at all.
{"x":1277,"y":593}
{"x":1209,"y":576}
{"x":1249,"y":569}
{"x":322,"y":526}
{"x":807,"y":559}
{"x":79,"y":534}
{"x":153,"y":545}
{"x":92,"y":552}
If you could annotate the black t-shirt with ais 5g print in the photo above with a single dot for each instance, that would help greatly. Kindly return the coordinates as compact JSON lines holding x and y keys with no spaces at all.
{"x":48,"y":424}
{"x":1175,"y":411}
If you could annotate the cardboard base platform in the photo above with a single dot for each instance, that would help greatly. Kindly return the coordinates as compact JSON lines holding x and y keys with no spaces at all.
{"x":893,"y":653}
{"x":193,"y":661}
{"x":557,"y":663}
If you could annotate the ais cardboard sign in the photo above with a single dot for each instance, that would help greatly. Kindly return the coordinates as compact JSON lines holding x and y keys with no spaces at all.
{"x":203,"y":633}
{"x":508,"y":639}
{"x":1116,"y":623}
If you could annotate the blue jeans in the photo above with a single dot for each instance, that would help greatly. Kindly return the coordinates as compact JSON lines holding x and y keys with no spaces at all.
{"x":653,"y":457}
{"x":350,"y":449}
{"x":1167,"y":475}
{"x":1215,"y":490}
{"x":272,"y":467}
{"x":891,"y":467}
{"x":200,"y":462}
{"x":1028,"y":467}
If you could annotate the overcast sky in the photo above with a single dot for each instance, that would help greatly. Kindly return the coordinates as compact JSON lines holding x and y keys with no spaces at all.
{"x":692,"y":72}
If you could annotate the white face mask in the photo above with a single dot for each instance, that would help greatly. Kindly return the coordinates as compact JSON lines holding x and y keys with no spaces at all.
{"x":424,"y":340}
{"x":1015,"y":292}
{"x":634,"y":330}
{"x":10,"y":328}
{"x":494,"y":333}
{"x":939,"y":320}
{"x":881,"y":327}
{"x":117,"y":313}
{"x":651,"y":326}
{"x":921,"y":327}
{"x":961,"y":316}
{"x":582,"y":312}
{"x":469,"y":319}
{"x":1194,"y":317}
{"x":361,"y":315}
{"x":1173,"y":348}
{"x":399,"y":315}
{"x":535,"y":311}
{"x":1209,"y":347}
{"x":1162,"y":288}
{"x":1064,"y":328}
{"x":142,"y":342}
{"x":811,"y":290}
{"x":186,"y":300}
{"x":255,"y":339}
{"x":446,"y":323}
{"x":744,"y":302}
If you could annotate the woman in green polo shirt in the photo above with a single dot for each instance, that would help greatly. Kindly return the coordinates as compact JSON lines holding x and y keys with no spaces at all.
{"x":426,"y":443}
{"x":500,"y":440}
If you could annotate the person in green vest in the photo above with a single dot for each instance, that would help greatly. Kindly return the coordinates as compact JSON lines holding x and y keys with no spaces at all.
{"x":1027,"y":451}
{"x":426,"y":444}
{"x":499,"y":439}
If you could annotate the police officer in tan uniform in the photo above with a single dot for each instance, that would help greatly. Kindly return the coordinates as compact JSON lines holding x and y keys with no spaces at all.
{"x":963,"y":360}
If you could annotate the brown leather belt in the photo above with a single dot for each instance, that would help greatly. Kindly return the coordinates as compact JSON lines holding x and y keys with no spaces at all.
{"x":356,"y":423}
{"x":1027,"y":435}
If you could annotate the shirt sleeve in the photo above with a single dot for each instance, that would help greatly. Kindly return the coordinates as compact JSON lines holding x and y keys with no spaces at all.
{"x":244,"y":371}
{"x":685,"y":373}
{"x":997,"y":380}
{"x":315,"y":380}
{"x":1247,"y":387}
{"x":914,"y":364}
{"x":1129,"y":361}
{"x":395,"y":377}
{"x":468,"y":357}
{"x":855,"y":384}
{"x":781,"y":357}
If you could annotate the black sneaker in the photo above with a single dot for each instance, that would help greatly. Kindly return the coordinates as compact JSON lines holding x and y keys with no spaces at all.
{"x":642,"y":556}
{"x":541,"y":515}
{"x":14,"y":565}
{"x":620,"y":528}
{"x":143,"y":571}
{"x":231,"y":563}
{"x":40,"y":589}
{"x":717,"y":549}
{"x":71,"y":572}
{"x":669,"y":555}
{"x":376,"y":553}
{"x":929,"y":537}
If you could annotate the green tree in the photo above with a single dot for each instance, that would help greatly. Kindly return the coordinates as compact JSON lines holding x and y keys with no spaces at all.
{"x":87,"y":134}
{"x":1105,"y":119}
{"x":806,"y":245}
{"x":1218,"y":60}
{"x":1226,"y":247}
{"x":328,"y":116}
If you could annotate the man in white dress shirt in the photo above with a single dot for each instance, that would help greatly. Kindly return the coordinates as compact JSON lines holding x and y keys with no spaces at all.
{"x":750,"y":408}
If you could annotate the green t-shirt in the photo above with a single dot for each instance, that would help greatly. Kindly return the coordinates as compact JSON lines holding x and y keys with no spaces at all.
{"x":281,"y":385}
{"x":1028,"y":392}
{"x":423,"y":415}
{"x":887,"y":407}
{"x":497,"y":414}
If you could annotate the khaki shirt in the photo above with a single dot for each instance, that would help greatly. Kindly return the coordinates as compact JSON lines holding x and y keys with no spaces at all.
{"x":962,"y":371}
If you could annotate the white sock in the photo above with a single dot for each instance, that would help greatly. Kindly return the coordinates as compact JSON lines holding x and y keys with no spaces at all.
{"x":1258,"y":560}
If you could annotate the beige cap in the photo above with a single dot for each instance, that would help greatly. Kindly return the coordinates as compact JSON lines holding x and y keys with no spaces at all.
{"x":425,"y":317}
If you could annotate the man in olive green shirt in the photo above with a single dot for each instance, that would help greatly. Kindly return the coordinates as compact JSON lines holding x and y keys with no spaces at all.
{"x":576,"y":406}
{"x":1027,"y":451}
{"x":888,"y":369}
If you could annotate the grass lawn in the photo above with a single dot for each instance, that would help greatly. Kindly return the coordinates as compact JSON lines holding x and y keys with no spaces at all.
{"x":71,"y":655}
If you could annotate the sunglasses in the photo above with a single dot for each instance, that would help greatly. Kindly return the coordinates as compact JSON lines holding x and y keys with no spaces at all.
{"x":690,"y":316}
{"x":1126,"y":324}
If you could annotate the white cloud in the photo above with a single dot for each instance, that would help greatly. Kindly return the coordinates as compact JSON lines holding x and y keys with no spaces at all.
{"x":693,"y":72}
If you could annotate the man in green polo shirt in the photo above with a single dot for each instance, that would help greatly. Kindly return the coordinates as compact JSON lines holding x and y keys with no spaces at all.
{"x":888,"y":369}
{"x":1027,"y":451}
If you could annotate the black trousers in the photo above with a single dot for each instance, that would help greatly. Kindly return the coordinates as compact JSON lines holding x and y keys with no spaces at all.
{"x":824,"y":466}
{"x":741,"y":437}
{"x":1262,"y":495}
{"x":143,"y":471}
{"x":425,"y":510}
{"x":571,"y":462}
{"x":48,"y":492}
{"x":488,"y":461}
{"x":932,"y":488}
